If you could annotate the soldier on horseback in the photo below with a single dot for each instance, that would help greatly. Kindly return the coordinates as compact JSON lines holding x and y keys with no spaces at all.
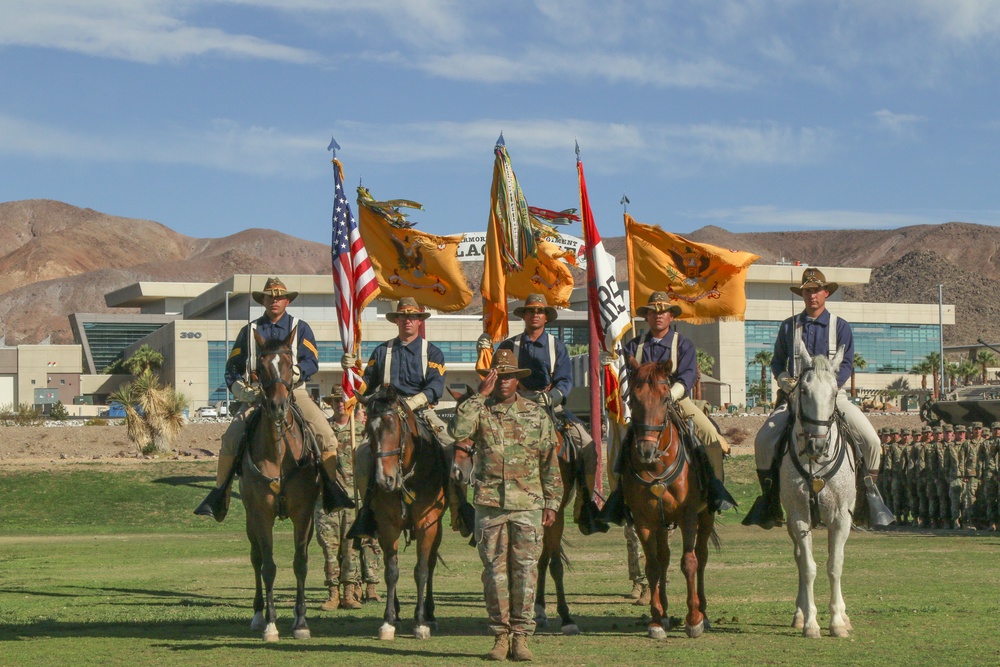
{"x":823,"y":333}
{"x":548,"y":385}
{"x":415,"y":367}
{"x":275,"y":324}
{"x":661,"y":343}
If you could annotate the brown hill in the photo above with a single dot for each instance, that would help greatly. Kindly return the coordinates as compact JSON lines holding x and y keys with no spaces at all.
{"x":57,"y":259}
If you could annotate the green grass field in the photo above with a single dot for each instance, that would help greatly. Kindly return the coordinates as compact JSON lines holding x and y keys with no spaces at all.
{"x":105,"y":565}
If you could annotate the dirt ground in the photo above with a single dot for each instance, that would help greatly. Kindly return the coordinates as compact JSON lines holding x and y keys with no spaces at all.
{"x":58,"y":445}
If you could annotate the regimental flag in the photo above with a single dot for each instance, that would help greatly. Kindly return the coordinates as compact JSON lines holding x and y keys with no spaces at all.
{"x":509,"y":242}
{"x":547,"y":274}
{"x":354,"y":280}
{"x":706,"y":281}
{"x":408,"y":262}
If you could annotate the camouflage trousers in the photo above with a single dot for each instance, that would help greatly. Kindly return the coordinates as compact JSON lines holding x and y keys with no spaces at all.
{"x":917,"y":497}
{"x":371,"y":561}
{"x":970,"y":487}
{"x":990,"y":492}
{"x":937,"y":499}
{"x":955,"y":490}
{"x":509,"y":543}
{"x":341,"y":561}
{"x":636,"y":558}
{"x":900,"y":505}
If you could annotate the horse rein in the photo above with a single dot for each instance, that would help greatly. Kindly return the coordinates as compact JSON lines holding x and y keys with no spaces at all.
{"x":404,"y":428}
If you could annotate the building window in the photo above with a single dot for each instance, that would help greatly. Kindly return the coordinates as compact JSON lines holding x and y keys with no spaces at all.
{"x":217,"y":355}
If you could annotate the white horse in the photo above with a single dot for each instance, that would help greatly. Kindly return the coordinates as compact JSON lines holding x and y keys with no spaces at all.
{"x":818,"y":483}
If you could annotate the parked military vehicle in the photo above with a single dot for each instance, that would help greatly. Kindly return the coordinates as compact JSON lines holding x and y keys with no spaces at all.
{"x":974,"y":403}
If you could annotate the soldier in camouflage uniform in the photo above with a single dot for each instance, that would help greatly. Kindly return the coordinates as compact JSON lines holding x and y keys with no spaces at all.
{"x":885,"y":466}
{"x":991,"y":478}
{"x":969,"y":473}
{"x":915,"y":466}
{"x":517,"y":491}
{"x":370,"y":553}
{"x":341,"y":561}
{"x":953,"y":468}
{"x":934,"y":467}
{"x":899,"y":451}
{"x":636,"y":566}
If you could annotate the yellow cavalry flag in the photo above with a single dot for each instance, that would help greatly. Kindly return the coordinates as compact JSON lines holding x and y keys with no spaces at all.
{"x":545,"y":274}
{"x":706,"y":281}
{"x":408,"y":262}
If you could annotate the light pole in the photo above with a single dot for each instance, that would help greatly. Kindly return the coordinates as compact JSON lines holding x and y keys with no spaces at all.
{"x":228,"y":416}
{"x":941,"y":335}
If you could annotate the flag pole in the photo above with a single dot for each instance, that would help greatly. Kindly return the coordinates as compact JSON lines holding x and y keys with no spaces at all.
{"x":594,"y":342}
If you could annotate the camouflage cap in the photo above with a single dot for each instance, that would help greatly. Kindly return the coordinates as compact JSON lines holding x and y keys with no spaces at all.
{"x":996,"y":425}
{"x":925,"y":429}
{"x":960,"y":428}
{"x":883,"y":430}
{"x":977,"y":425}
{"x":948,"y":428}
{"x":893,"y":430}
{"x":936,"y":430}
{"x":915,"y":431}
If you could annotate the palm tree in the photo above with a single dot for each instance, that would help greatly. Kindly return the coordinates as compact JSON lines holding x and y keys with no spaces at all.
{"x":923,"y":369}
{"x":934,"y":359}
{"x":144,"y":359}
{"x":983,"y":359}
{"x":951,"y":372}
{"x":966,"y":369}
{"x":859,"y":364}
{"x":764,"y":358}
{"x":705,"y":363}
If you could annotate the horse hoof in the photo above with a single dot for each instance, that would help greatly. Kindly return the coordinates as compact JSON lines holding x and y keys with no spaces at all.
{"x":811,"y":633}
{"x":708,"y":624}
{"x":421,"y":632}
{"x":656,"y":631}
{"x":847,"y":624}
{"x":694,"y":631}
{"x":838,"y":631}
{"x":798,"y":621}
{"x":570,"y":629}
{"x":387,"y":631}
{"x":257,"y":624}
{"x":271,"y":633}
{"x":302,"y":633}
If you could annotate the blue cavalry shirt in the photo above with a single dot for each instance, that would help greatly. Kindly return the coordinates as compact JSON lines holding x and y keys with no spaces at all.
{"x":816,"y":336}
{"x":307,"y":361}
{"x":685,"y":367}
{"x":534,"y":355}
{"x":406,"y":372}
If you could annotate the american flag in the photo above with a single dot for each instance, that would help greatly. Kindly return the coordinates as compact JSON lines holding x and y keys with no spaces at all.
{"x":354,"y":279}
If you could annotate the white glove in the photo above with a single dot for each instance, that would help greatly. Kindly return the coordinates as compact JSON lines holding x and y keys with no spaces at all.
{"x":348,"y":361}
{"x":416,"y":401}
{"x":678,"y":391}
{"x":484,"y":342}
{"x":787,"y":383}
{"x":296,"y":374}
{"x":245,"y":392}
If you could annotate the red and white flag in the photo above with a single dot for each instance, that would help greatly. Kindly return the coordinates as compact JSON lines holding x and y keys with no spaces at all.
{"x":354,"y":281}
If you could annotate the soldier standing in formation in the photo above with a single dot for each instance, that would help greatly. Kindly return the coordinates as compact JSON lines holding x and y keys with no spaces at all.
{"x":518,"y":489}
{"x":370,"y":555}
{"x":340,"y":559}
{"x":990,"y":489}
{"x":898,"y":451}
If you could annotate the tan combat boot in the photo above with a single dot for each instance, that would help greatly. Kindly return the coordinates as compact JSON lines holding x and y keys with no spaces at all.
{"x":636,"y":591}
{"x":501,"y":648}
{"x":519,"y":651}
{"x":350,"y":599}
{"x":371,"y":594}
{"x":644,"y":597}
{"x":334,"y":601}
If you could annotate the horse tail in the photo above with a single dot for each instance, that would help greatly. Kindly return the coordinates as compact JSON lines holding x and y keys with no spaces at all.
{"x":716,"y":541}
{"x":563,"y":556}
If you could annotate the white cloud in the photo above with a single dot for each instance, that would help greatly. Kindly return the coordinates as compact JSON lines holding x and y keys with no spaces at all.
{"x":230,"y":146}
{"x":146,"y":31}
{"x":899,"y":124}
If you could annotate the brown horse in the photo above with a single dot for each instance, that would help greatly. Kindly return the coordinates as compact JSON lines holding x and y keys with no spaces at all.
{"x":409,"y":493}
{"x":661,"y":487}
{"x":279,"y":479}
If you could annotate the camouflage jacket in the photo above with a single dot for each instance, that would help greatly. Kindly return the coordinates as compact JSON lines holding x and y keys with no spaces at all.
{"x":915,"y":461}
{"x":991,"y":465}
{"x":897,"y":452}
{"x":515,"y":453}
{"x":345,"y":455}
{"x":967,"y":458}
{"x":935,"y":453}
{"x":953,"y":460}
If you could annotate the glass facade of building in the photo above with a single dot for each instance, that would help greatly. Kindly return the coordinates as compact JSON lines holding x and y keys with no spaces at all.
{"x":887,"y":348}
{"x":108,"y":340}
{"x":217,"y":354}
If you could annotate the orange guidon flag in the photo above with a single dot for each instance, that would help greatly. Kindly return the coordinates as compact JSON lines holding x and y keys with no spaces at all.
{"x":706,"y":281}
{"x":408,"y":262}
{"x":545,"y":274}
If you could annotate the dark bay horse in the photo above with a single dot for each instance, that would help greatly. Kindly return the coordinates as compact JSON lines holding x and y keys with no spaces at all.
{"x":408,"y":494}
{"x":279,"y":479}
{"x":661,"y":487}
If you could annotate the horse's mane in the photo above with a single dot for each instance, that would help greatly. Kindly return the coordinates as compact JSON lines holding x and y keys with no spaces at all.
{"x":823,"y":364}
{"x":653,"y":371}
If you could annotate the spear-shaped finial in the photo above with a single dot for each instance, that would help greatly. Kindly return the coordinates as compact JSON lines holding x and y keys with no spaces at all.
{"x":334,"y":147}
{"x":577,"y":144}
{"x":624,"y":202}
{"x":500,"y":141}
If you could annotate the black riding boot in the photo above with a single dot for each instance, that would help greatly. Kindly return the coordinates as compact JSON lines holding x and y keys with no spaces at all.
{"x":766,"y":510}
{"x":365,"y":524}
{"x":215,"y":504}
{"x":615,"y":510}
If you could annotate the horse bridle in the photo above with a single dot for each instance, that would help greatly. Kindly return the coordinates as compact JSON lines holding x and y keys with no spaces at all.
{"x":279,"y":422}
{"x":404,"y":428}
{"x":812,"y":436}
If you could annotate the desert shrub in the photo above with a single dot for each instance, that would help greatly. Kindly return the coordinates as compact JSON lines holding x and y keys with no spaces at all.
{"x":96,"y":421}
{"x":22,"y":415}
{"x":59,"y":412}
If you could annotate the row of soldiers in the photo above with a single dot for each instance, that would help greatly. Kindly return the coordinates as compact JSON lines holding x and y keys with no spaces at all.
{"x":942,"y":476}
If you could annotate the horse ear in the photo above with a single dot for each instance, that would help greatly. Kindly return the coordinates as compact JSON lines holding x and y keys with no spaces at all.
{"x":362,"y":399}
{"x":839,"y":357}
{"x":291,"y":335}
{"x":802,"y":352}
{"x":260,"y":339}
{"x":459,"y":392}
{"x":390,"y":393}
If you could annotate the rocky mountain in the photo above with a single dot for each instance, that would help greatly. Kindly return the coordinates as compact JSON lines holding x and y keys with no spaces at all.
{"x":57,"y":259}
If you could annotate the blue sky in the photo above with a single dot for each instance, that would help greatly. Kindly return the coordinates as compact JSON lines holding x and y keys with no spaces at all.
{"x":213,"y":116}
